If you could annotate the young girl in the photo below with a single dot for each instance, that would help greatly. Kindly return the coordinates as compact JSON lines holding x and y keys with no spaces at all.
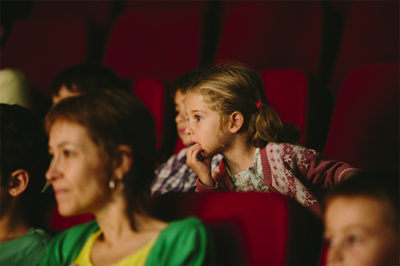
{"x":103,"y":147}
{"x":228,"y":115}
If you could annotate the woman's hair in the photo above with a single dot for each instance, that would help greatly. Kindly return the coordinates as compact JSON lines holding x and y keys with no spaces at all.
{"x":23,"y":145}
{"x":113,"y":118}
{"x":234,"y":87}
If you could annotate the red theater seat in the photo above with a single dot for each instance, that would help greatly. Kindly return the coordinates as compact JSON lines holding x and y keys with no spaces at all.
{"x":58,"y":222}
{"x":365,"y":124}
{"x":286,"y":91}
{"x":152,"y":93}
{"x":41,"y":48}
{"x":370,"y":35}
{"x":165,"y":4}
{"x":272,"y":34}
{"x":251,"y":228}
{"x":96,"y":12}
{"x":159,"y":44}
{"x":297,"y":99}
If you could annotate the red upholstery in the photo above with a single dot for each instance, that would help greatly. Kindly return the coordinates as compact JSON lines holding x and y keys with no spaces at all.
{"x":152,"y":93}
{"x":371,"y":35}
{"x":272,"y":34}
{"x":59,"y":222}
{"x":41,"y":48}
{"x":300,"y":100}
{"x":251,"y":228}
{"x":286,"y":91}
{"x":93,"y":11}
{"x":165,"y":4}
{"x":154,"y":44}
{"x":365,"y":124}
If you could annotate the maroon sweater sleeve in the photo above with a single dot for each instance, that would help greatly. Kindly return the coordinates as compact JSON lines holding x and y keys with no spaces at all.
{"x":318,"y":169}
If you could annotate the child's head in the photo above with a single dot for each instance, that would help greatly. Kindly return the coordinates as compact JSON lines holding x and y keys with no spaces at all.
{"x":226,"y":89}
{"x":178,"y":94}
{"x":362,"y":221}
{"x":24,"y":159}
{"x":83,"y":78}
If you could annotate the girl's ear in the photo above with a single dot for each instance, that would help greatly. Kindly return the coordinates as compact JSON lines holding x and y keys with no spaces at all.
{"x":124,"y":161}
{"x":236,"y":121}
{"x":19,"y":182}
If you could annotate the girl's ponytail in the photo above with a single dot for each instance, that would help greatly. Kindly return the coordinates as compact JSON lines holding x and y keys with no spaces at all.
{"x":233,"y":87}
{"x":266,"y":126}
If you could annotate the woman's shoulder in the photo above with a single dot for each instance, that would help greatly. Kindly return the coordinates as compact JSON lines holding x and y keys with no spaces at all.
{"x":188,"y":225}
{"x":182,"y":242}
{"x":65,"y":246}
{"x":186,"y":231}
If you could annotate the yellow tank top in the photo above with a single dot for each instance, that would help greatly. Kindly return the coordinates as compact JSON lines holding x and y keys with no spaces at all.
{"x":138,"y":258}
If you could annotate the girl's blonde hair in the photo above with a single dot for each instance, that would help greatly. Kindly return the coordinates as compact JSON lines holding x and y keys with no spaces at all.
{"x":234,"y":87}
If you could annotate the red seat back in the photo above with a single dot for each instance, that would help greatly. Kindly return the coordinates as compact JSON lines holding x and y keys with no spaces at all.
{"x":166,"y":5}
{"x":365,"y":124}
{"x":59,"y":222}
{"x":96,"y":12}
{"x":286,"y":91}
{"x":251,"y":228}
{"x":370,"y":36}
{"x":272,"y":34}
{"x":154,"y":44}
{"x":41,"y":48}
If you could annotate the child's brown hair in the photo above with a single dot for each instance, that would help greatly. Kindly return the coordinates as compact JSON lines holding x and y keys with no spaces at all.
{"x":234,"y":87}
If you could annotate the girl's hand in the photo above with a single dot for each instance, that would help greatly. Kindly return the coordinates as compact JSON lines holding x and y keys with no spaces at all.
{"x":200,"y":164}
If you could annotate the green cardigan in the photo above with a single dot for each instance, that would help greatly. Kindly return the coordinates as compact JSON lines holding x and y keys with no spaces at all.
{"x":184,"y":242}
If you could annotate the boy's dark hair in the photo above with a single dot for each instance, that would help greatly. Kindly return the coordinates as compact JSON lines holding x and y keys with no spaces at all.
{"x":23,"y":145}
{"x":380,"y":186}
{"x":86,"y":78}
{"x":187,"y":80}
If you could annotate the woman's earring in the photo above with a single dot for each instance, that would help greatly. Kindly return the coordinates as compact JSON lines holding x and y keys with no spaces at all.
{"x":112,"y":183}
{"x":116,"y":183}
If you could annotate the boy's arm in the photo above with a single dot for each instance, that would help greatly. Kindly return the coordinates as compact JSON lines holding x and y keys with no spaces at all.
{"x":168,"y":172}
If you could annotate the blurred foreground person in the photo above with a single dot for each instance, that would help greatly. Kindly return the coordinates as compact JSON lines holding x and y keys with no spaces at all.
{"x":362,"y":221}
{"x":103,"y":148}
{"x":23,"y":208}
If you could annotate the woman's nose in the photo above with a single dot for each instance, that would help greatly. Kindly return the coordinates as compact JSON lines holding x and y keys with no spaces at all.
{"x":52,"y":172}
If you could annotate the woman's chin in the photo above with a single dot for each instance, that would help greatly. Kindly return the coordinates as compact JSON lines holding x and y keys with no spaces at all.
{"x":65,"y":211}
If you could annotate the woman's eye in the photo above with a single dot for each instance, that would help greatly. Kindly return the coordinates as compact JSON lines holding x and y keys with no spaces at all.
{"x":197,"y":117}
{"x":67,"y":153}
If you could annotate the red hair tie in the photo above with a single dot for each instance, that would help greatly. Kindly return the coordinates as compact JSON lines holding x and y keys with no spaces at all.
{"x":259,"y":104}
